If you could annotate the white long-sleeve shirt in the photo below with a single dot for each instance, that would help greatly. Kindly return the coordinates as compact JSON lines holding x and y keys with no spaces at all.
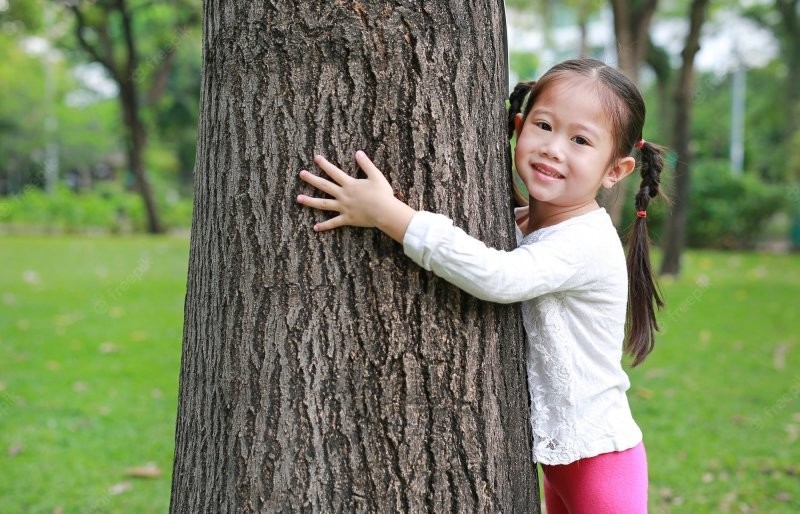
{"x":572,"y":281}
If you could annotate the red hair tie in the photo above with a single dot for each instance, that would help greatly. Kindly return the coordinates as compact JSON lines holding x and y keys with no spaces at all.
{"x":641,"y":214}
{"x":640,"y":143}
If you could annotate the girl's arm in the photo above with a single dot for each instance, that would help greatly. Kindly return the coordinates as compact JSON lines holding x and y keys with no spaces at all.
{"x":434,"y":243}
{"x":366,"y":202}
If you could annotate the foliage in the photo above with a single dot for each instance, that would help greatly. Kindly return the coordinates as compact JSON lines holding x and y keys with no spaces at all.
{"x":21,"y":112}
{"x":523,"y":65}
{"x":107,"y":208}
{"x":22,"y":16}
{"x":89,"y":128}
{"x":763,"y":130}
{"x":727,"y":211}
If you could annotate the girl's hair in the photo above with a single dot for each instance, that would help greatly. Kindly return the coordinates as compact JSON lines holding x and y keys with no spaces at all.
{"x":626,"y":111}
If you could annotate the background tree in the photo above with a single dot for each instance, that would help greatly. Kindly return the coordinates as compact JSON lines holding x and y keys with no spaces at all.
{"x":328,"y":373}
{"x":583,"y":10}
{"x":632,"y":32}
{"x":107,"y":31}
{"x":675,"y":233}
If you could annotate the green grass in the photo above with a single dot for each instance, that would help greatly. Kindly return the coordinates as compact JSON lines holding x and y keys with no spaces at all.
{"x":719,"y":398}
{"x":90,"y":334}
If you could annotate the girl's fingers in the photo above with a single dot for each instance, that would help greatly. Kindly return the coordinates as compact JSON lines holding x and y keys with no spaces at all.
{"x":332,"y":171}
{"x":366,"y":164}
{"x":330,"y":224}
{"x":320,"y":183}
{"x":325,"y":204}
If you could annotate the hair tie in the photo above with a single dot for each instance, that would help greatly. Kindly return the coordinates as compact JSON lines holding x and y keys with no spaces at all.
{"x":640,"y":143}
{"x":641,"y":214}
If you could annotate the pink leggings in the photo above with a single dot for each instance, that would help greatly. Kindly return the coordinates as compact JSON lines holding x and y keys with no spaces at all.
{"x":610,"y":483}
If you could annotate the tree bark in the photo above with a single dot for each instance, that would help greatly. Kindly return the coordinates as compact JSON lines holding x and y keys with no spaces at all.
{"x":675,"y":233}
{"x":326,"y":372}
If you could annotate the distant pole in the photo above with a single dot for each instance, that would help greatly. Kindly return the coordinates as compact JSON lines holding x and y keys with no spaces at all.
{"x":737,"y":119}
{"x":51,"y":118}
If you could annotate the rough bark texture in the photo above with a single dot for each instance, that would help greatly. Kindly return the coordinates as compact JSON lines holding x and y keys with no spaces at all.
{"x":326,"y":372}
{"x":675,"y":233}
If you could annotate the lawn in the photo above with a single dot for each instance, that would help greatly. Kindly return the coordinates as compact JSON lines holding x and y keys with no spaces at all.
{"x":90,"y":334}
{"x":719,"y":398}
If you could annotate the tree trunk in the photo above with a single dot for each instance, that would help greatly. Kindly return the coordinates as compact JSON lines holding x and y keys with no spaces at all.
{"x":326,"y":372}
{"x":790,"y":22}
{"x":675,"y":234}
{"x":136,"y":139}
{"x":631,"y":30}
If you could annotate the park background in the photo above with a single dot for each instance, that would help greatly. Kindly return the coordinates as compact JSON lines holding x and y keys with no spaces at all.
{"x":91,"y":305}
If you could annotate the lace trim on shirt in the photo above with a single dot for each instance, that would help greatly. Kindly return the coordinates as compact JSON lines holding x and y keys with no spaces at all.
{"x":550,"y":382}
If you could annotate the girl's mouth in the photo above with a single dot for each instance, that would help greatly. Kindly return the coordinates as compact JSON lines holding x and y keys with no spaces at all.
{"x":547,"y":171}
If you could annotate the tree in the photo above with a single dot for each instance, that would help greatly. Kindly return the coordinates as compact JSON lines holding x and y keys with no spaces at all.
{"x":631,"y":30}
{"x":584,"y":10}
{"x":106,"y":31}
{"x":327,"y":373}
{"x":675,"y":233}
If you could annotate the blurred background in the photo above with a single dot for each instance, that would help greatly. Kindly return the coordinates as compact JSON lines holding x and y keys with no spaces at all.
{"x":98,"y":118}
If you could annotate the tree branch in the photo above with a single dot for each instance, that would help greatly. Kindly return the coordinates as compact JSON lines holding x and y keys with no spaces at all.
{"x":130,"y":45}
{"x":80,"y":26}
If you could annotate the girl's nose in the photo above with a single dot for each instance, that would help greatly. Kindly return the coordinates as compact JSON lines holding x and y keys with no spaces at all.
{"x":553,"y":150}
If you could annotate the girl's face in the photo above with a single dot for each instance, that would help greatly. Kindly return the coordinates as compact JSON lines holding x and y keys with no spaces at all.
{"x":564,"y":146}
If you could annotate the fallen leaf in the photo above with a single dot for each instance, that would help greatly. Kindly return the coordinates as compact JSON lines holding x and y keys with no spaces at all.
{"x":779,"y":356}
{"x":14,"y":450}
{"x":30,"y":276}
{"x":108,"y":347}
{"x":149,"y":470}
{"x":120,"y":488}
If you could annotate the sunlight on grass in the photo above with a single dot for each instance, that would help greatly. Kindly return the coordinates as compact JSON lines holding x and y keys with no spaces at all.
{"x":90,"y":335}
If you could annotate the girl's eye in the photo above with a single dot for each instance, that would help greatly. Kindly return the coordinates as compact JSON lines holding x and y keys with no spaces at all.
{"x":580,"y":140}
{"x":543,"y":125}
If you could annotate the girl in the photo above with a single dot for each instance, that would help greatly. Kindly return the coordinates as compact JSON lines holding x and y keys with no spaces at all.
{"x":577,"y":128}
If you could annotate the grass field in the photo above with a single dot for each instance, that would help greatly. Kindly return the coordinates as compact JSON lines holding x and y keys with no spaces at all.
{"x":90,"y":334}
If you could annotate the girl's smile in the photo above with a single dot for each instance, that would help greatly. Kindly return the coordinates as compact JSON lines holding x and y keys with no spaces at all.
{"x":547,"y":171}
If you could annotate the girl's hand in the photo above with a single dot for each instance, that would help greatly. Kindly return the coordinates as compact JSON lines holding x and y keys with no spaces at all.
{"x":368,"y":202}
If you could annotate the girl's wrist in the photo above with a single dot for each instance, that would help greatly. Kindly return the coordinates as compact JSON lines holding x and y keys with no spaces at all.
{"x":394,"y":219}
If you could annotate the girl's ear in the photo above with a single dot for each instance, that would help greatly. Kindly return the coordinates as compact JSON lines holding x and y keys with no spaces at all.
{"x":518,"y":123}
{"x":621,"y":169}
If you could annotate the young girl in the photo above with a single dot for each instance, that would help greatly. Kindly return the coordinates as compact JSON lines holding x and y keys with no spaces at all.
{"x":577,"y":131}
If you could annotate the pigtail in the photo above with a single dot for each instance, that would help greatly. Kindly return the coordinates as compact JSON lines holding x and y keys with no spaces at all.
{"x":516,"y":102}
{"x":643,"y":294}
